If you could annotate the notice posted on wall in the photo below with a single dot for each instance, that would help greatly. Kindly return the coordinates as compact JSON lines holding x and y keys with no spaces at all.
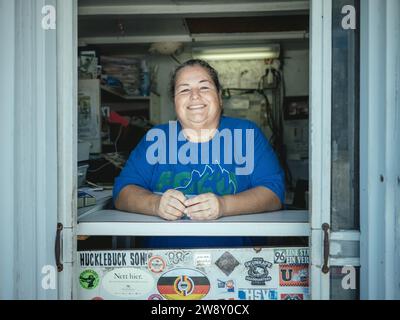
{"x":198,"y":274}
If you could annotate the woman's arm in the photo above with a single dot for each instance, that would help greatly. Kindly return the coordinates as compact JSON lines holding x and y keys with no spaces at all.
{"x":210,"y":207}
{"x":255,"y":200}
{"x":169,"y":206}
{"x":136,"y":199}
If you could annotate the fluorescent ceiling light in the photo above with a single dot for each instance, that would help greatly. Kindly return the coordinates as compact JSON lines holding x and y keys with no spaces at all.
{"x":237,"y":53}
{"x":237,"y":56}
{"x":256,"y":36}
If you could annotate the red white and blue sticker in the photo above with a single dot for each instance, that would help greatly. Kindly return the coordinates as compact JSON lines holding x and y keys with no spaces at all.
{"x":293,"y":275}
{"x":183,"y":284}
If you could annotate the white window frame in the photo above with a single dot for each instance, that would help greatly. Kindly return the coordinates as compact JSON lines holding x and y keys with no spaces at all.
{"x":320,"y":133}
{"x":67,"y":70}
{"x":320,"y":141}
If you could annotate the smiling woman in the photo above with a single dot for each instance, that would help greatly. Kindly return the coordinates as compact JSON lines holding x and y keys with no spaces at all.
{"x":197,"y":94}
{"x":208,"y":187}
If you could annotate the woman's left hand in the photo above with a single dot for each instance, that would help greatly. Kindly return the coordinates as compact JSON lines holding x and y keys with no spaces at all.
{"x":206,"y":206}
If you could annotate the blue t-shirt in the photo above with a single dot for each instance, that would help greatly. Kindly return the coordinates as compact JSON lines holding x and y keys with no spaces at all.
{"x":238,"y":158}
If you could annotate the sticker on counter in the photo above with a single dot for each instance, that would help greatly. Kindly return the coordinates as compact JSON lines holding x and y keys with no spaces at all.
{"x":155,"y":297}
{"x":226,"y":285}
{"x":183,"y":284}
{"x":177,"y":257}
{"x":292,"y":296}
{"x":258,"y":271}
{"x":156,"y":264}
{"x":128,"y":282}
{"x":293,"y":275}
{"x":227,"y":263}
{"x":89,"y":279}
{"x":258,"y":294}
{"x":202,"y":260}
{"x":291,"y":256}
{"x":113,"y":259}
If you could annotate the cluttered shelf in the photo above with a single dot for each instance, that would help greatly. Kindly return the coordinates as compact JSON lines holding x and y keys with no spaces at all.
{"x":117,"y":223}
{"x":120,"y":94}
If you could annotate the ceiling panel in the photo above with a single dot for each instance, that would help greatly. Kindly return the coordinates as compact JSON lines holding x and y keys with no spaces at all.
{"x":170,"y":7}
{"x":131,"y":27}
{"x":248,"y":24}
{"x":166,"y":2}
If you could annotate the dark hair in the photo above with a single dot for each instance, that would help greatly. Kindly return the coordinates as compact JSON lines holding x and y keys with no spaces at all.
{"x":192,"y":63}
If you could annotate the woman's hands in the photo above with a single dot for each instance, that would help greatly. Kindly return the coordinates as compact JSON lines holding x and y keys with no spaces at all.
{"x":170,"y":205}
{"x":206,"y":206}
{"x":173,"y":205}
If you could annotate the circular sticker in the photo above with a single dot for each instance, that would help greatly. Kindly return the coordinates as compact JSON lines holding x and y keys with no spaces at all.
{"x":128,"y":282}
{"x":89,"y":279}
{"x":156,"y":264}
{"x":155,"y":297}
{"x":183,"y":284}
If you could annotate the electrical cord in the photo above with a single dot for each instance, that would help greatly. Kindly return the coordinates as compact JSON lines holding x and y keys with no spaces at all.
{"x":117,"y":139}
{"x":100,"y":168}
{"x":275,"y":122}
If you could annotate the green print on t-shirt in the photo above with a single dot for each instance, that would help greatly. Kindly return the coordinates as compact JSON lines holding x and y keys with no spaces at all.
{"x":218,"y":181}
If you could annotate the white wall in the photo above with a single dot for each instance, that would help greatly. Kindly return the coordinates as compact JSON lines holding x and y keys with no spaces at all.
{"x":165,"y":66}
{"x":29,"y":151}
{"x":7,"y":237}
{"x":380,"y":152}
{"x":296,"y":72}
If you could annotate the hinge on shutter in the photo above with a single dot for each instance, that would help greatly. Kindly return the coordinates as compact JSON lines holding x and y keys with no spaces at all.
{"x":325,"y":267}
{"x":60,"y":266}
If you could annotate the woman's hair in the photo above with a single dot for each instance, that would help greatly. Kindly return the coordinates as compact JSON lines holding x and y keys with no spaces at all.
{"x":194,"y":63}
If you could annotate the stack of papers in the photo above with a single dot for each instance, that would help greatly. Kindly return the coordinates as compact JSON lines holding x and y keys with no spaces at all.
{"x":92,"y":199}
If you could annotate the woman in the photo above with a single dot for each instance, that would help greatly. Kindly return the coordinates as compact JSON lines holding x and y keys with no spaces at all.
{"x":187,"y":181}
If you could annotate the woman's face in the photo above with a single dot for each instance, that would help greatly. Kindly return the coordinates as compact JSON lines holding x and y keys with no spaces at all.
{"x":198,"y":104}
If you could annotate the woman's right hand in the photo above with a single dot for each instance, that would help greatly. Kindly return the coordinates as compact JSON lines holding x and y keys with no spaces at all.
{"x":170,"y":205}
